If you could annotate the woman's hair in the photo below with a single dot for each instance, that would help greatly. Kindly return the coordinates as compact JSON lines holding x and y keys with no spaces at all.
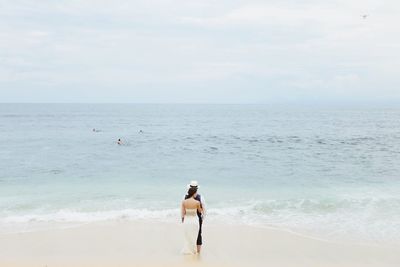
{"x":192,"y":191}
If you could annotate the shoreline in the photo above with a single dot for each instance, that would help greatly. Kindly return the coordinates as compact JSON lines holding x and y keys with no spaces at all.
{"x":53,"y":226}
{"x":143,"y":243}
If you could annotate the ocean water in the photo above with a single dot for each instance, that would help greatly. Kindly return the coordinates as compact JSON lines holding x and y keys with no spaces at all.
{"x":329,"y":173}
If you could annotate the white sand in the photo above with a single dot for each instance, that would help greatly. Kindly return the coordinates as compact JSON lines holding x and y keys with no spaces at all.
{"x":158,"y":244}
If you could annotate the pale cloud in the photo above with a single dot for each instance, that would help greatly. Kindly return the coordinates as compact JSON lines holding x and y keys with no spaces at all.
{"x":198,"y":51}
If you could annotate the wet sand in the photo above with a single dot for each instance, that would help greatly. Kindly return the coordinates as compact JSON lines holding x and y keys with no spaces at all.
{"x":142,"y":243}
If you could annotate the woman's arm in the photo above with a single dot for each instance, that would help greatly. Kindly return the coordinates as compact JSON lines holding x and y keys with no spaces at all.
{"x":203,"y":206}
{"x":183,"y":211}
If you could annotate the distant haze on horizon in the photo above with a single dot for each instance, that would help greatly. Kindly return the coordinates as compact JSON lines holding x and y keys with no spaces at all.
{"x":175,"y":51}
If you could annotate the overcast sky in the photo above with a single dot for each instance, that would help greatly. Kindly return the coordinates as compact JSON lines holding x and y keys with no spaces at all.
{"x":200,"y":51}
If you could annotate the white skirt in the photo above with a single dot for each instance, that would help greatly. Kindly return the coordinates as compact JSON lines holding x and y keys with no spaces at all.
{"x":190,"y":231}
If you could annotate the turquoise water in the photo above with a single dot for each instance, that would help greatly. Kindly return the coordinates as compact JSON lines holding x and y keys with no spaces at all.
{"x":333,"y":174}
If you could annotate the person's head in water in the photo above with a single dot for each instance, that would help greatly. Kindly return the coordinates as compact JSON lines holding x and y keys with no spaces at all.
{"x":192,"y":191}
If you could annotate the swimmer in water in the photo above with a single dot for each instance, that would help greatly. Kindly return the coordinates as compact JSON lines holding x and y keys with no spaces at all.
{"x":140,"y":131}
{"x":119,"y":142}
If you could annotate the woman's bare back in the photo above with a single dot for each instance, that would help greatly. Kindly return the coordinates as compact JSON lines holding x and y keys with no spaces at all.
{"x":191,"y":204}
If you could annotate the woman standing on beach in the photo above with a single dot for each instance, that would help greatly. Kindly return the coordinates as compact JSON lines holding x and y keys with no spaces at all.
{"x":190,"y":221}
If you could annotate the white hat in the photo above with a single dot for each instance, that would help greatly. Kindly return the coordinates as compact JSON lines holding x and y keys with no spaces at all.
{"x":193,"y":184}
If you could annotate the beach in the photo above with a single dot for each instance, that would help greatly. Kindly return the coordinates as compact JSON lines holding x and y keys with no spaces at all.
{"x":71,"y":196}
{"x":124,"y":124}
{"x":146,"y":243}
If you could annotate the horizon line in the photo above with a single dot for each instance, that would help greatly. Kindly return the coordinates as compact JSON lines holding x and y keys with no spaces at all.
{"x":280,"y":104}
